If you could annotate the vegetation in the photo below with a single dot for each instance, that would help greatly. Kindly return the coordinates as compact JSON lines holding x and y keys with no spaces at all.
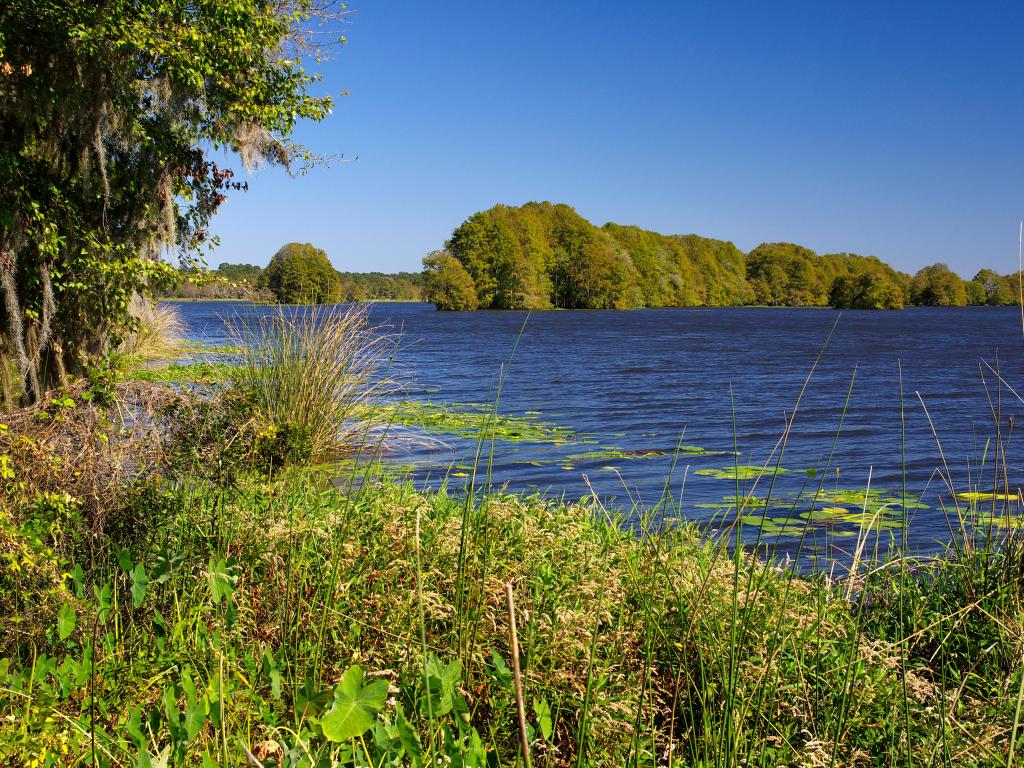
{"x":106,"y":114}
{"x":539,"y":256}
{"x":157,"y":330}
{"x":241,"y":281}
{"x":377,"y":286}
{"x":299,"y":273}
{"x":177,"y":594}
{"x":448,"y":284}
{"x":312,"y":376}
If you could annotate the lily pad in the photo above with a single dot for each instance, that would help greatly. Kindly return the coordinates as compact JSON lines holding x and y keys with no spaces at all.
{"x":741,"y":472}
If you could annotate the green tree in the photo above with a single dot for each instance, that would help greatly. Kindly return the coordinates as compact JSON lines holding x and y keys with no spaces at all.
{"x":448,"y":285}
{"x":990,"y":288}
{"x":300,"y":273}
{"x":938,"y":286}
{"x":872,"y":289}
{"x":107,"y":111}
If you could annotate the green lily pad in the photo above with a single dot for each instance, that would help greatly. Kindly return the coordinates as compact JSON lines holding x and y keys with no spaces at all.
{"x":741,"y":472}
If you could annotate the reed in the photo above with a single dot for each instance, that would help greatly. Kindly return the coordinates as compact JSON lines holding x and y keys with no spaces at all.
{"x":314,"y":371}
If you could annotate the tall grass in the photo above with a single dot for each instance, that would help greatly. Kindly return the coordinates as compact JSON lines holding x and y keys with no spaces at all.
{"x":158,"y":331}
{"x":315,"y":371}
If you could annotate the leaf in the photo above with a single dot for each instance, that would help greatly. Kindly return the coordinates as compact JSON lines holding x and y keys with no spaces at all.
{"x":223,"y":577}
{"x":355,"y":706}
{"x":410,"y":740}
{"x":195,"y":718}
{"x":140,"y":583}
{"x":66,"y":617}
{"x":543,"y":712}
{"x":442,"y":684}
{"x":500,"y":669}
{"x":134,"y":727}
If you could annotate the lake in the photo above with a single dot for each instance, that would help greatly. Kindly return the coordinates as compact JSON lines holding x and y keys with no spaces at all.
{"x":628,"y":388}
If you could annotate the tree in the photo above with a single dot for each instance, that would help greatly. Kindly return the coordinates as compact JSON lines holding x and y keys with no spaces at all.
{"x":107,"y":111}
{"x":938,"y":286}
{"x":872,"y":289}
{"x":300,"y":273}
{"x":448,"y":284}
{"x":990,"y":288}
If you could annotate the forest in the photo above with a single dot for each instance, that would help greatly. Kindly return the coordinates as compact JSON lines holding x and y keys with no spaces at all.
{"x":544,"y":256}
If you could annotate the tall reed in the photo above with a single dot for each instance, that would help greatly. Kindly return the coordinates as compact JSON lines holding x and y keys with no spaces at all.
{"x":315,"y":371}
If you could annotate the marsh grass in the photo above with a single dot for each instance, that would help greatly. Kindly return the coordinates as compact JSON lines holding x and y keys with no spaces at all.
{"x":158,"y":332}
{"x":316,"y":371}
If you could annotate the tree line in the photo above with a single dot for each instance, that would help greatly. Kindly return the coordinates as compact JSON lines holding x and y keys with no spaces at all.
{"x":543,"y":256}
{"x":299,"y":273}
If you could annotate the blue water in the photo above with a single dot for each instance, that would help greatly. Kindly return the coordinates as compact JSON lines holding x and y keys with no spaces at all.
{"x":647,"y":380}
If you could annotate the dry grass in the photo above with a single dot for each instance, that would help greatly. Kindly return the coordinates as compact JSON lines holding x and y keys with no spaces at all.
{"x":159,"y":330}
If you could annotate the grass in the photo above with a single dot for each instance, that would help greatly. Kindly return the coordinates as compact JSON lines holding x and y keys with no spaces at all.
{"x":314,"y":372}
{"x":158,"y":333}
{"x":174,"y":594}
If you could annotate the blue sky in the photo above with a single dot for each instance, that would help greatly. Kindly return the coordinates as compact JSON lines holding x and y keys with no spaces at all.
{"x":892,"y":129}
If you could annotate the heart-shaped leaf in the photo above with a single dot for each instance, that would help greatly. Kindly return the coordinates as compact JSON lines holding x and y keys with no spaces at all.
{"x":355,"y":706}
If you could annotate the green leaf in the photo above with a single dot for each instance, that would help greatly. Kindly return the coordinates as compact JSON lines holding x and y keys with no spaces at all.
{"x":543,"y":712}
{"x":410,"y":740}
{"x":223,"y":576}
{"x":140,"y":583}
{"x":195,"y":718}
{"x":355,"y":706}
{"x":66,"y":617}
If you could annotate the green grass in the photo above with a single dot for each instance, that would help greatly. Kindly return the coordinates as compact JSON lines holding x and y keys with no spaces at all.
{"x":235,"y":615}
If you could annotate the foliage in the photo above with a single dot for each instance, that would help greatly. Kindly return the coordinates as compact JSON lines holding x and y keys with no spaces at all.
{"x":541,"y":255}
{"x":987,"y":287}
{"x":377,"y":286}
{"x":448,"y":285}
{"x":299,"y":273}
{"x":871,"y":289}
{"x":106,"y":114}
{"x":938,"y":286}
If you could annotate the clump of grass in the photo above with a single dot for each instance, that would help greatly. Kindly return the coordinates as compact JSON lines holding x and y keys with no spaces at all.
{"x":158,"y":331}
{"x":316,"y":372}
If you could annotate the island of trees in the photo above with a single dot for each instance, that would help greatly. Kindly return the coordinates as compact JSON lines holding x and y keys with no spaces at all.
{"x":543,"y":256}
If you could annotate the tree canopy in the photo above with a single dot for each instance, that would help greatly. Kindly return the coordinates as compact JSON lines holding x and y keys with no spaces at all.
{"x":107,"y":113}
{"x":540,"y":255}
{"x":448,"y":284}
{"x":300,"y":273}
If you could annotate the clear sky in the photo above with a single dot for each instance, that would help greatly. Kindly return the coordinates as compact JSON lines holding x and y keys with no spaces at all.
{"x":893,"y":129}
